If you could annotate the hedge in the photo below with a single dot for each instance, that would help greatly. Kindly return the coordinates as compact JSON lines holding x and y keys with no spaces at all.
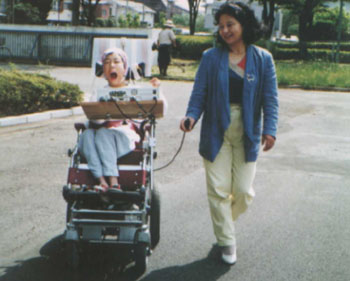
{"x":344,"y":46}
{"x":192,"y":47}
{"x":22,"y":93}
{"x":313,"y":54}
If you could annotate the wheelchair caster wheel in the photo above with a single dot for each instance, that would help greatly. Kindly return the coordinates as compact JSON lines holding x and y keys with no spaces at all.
{"x":141,"y":257}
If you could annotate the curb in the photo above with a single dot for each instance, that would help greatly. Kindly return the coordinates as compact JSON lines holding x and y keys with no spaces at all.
{"x":315,"y":88}
{"x":42,"y":116}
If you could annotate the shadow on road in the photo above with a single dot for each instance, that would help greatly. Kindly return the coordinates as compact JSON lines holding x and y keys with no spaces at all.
{"x":99,"y":264}
{"x":207,"y":269}
{"x":103,"y":265}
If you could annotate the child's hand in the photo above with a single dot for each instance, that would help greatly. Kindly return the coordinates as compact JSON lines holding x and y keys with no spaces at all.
{"x":155,"y":82}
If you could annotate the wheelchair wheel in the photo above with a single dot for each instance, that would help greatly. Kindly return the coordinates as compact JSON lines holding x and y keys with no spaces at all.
{"x":140,"y":256}
{"x":72,"y":254}
{"x":155,"y":218}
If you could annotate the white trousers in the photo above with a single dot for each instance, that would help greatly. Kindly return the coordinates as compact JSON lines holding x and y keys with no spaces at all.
{"x":229,"y":181}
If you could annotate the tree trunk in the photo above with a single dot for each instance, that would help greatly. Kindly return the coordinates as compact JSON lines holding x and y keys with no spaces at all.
{"x":268,"y":16}
{"x":305,"y":24}
{"x":193,"y":9}
{"x":193,"y":23}
{"x":75,"y":12}
{"x":264,"y":13}
{"x":271,"y":18}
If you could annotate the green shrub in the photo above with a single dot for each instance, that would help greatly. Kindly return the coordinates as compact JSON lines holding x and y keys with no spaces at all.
{"x":22,"y":93}
{"x":192,"y":47}
{"x":112,"y":22}
{"x":100,"y":22}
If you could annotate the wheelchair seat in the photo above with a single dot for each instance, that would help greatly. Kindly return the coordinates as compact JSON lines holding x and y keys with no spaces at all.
{"x":132,"y":167}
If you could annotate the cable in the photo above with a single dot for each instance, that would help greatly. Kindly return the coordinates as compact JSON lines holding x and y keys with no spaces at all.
{"x":177,"y":152}
{"x":148,"y":114}
{"x":141,"y":106}
{"x":122,"y":113}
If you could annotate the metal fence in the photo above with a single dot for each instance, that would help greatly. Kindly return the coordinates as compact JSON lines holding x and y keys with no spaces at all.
{"x":56,"y":45}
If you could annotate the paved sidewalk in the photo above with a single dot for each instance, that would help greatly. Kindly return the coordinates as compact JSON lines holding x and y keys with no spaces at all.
{"x":296,"y":229}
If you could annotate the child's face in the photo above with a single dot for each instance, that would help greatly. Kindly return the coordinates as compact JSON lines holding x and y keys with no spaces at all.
{"x":113,"y":70}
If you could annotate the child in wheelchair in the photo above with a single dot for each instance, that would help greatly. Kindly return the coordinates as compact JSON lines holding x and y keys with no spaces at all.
{"x":104,"y":142}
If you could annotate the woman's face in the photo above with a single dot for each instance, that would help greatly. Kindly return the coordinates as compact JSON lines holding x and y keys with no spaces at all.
{"x":113,"y":70}
{"x":230,"y":30}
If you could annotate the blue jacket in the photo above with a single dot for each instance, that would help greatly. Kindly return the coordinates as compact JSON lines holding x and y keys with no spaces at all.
{"x":210,"y":95}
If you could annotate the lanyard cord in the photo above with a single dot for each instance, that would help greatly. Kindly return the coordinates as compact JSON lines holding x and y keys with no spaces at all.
{"x":177,"y":152}
{"x":148,"y":114}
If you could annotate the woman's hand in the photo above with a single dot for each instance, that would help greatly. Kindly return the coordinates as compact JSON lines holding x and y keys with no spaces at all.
{"x":268,"y":142}
{"x":155,"y":82}
{"x":191,"y":123}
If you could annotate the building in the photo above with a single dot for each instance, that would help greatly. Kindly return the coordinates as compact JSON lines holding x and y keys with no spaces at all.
{"x":168,"y":7}
{"x":117,"y":8}
{"x":61,"y":12}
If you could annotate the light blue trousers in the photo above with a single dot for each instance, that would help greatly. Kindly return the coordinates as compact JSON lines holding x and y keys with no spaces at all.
{"x":102,"y":148}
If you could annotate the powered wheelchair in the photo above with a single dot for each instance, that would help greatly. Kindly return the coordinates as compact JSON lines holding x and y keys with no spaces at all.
{"x":125,"y":220}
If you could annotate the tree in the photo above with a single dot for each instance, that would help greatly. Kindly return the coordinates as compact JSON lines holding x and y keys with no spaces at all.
{"x":29,"y":11}
{"x":193,"y":6}
{"x":89,"y":11}
{"x":326,"y":24}
{"x":25,"y":13}
{"x":305,"y":9}
{"x":43,"y":6}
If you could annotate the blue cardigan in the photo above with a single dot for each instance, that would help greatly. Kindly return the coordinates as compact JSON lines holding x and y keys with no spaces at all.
{"x":210,"y":95}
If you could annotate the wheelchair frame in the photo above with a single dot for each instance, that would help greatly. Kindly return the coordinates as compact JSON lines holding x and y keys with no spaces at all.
{"x":128,"y":219}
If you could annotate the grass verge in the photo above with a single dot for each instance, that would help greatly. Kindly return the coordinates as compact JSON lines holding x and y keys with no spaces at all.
{"x":306,"y":75}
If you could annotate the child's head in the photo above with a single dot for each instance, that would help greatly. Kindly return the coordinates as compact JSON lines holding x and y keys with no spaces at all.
{"x":115,"y":66}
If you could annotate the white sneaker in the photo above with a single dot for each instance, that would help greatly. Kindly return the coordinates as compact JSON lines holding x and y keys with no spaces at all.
{"x":229,"y":258}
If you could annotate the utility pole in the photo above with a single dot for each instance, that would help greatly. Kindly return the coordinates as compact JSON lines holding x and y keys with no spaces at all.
{"x":341,"y":4}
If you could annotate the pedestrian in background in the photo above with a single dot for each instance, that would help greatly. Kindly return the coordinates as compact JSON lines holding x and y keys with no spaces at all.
{"x":166,"y":39}
{"x":236,"y":90}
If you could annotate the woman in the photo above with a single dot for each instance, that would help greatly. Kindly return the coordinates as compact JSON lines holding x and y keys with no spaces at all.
{"x":235,"y":83}
{"x":166,"y":39}
{"x":106,"y":141}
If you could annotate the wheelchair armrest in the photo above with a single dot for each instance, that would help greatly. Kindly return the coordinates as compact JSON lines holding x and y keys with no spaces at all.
{"x":79,"y":126}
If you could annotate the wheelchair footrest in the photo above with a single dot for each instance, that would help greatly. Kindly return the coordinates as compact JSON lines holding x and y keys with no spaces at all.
{"x":127,"y":196}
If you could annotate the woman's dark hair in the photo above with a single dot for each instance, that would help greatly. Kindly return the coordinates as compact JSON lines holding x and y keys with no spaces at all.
{"x":252,"y":29}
